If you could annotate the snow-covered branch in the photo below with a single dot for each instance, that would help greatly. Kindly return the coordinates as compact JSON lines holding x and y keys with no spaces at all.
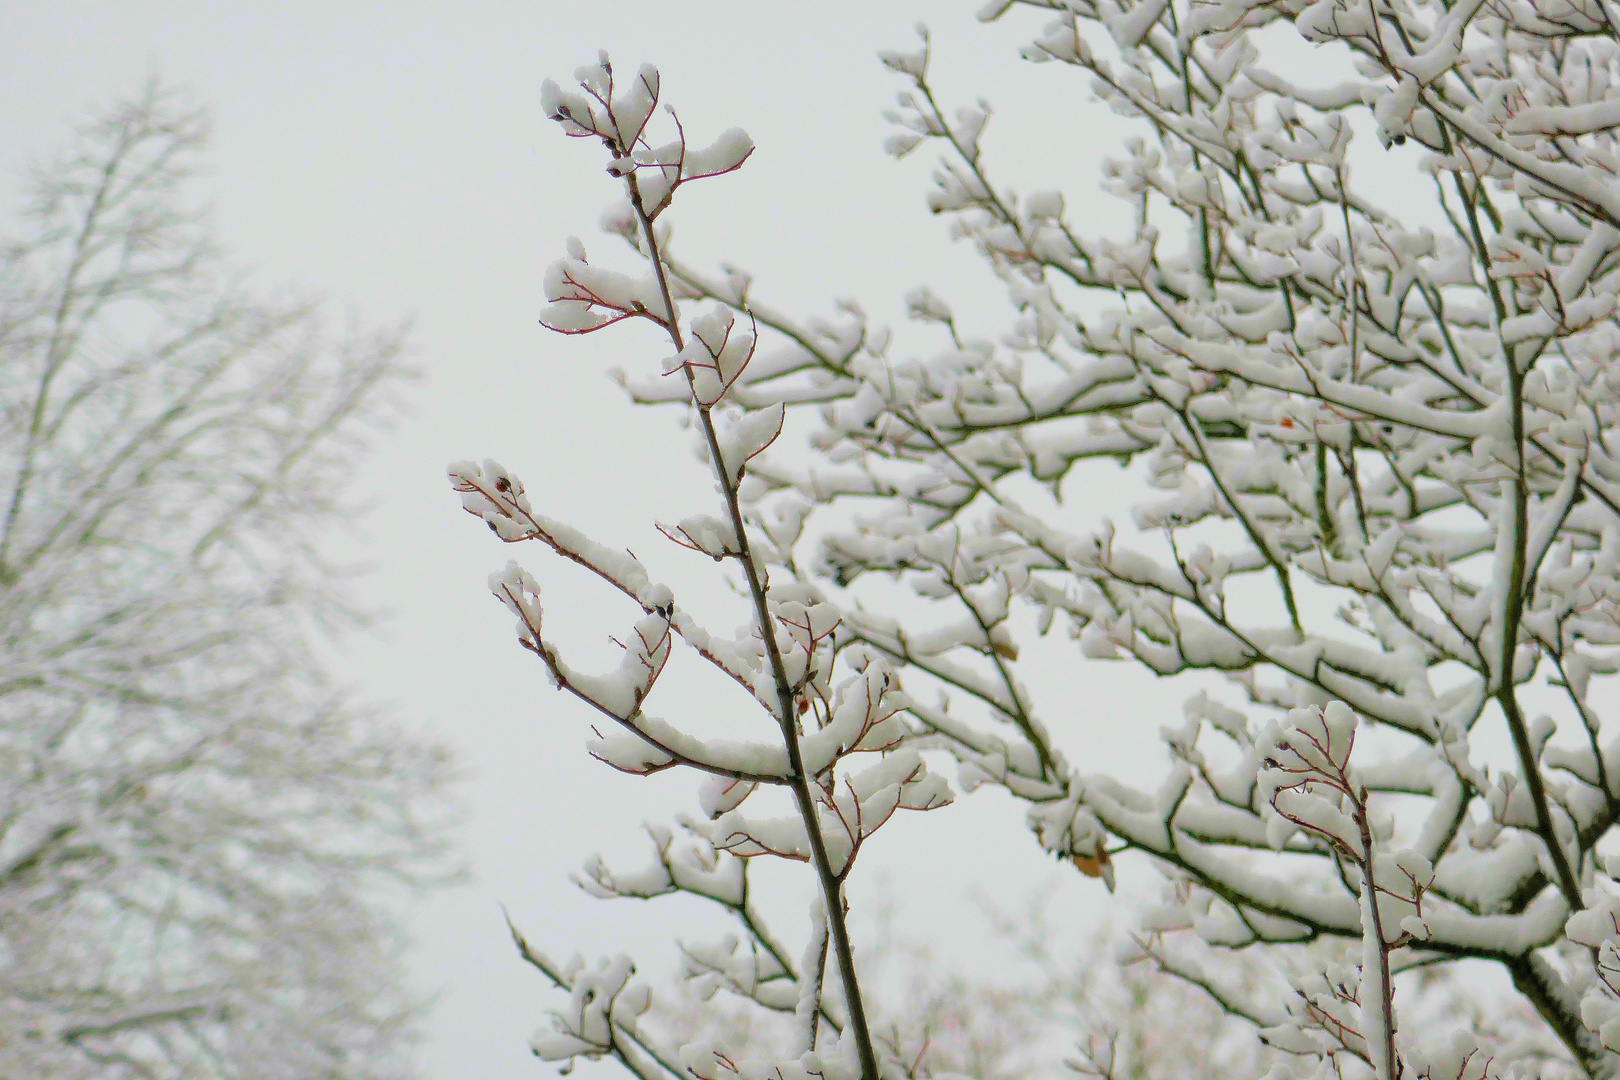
{"x":1382,"y":496}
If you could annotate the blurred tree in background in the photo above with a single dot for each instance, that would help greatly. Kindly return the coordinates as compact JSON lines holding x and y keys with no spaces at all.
{"x":194,"y":819}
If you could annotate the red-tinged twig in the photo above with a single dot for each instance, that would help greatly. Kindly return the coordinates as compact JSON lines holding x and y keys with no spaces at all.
{"x":831,"y":884}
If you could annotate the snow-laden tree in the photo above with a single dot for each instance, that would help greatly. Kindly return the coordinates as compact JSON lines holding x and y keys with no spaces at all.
{"x":195,"y":819}
{"x":1380,"y":450}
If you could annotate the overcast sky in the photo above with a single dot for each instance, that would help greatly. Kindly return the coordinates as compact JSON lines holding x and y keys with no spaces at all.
{"x":394,"y":158}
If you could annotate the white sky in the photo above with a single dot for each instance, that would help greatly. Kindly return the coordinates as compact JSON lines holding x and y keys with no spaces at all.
{"x":393,"y":156}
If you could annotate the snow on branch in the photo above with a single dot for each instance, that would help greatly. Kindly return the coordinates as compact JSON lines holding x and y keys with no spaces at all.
{"x":819,"y":702}
{"x":1380,"y":504}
